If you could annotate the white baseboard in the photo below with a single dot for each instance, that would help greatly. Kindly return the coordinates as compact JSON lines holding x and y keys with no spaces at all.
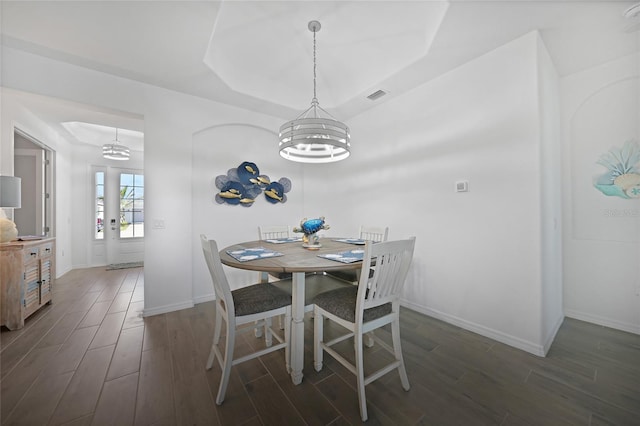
{"x":87,"y":266}
{"x":603,"y":321}
{"x":551,"y":337}
{"x":60,"y":273}
{"x":178,"y":306}
{"x":499,"y":336}
{"x":147,"y":312}
{"x":205,"y":298}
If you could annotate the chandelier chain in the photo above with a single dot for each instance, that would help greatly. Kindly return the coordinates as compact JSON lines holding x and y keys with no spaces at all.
{"x":315,"y":97}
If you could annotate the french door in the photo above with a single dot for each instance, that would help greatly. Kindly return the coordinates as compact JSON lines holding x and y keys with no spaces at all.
{"x":118,"y":226}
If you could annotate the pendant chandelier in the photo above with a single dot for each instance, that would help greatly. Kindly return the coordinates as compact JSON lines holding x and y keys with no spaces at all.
{"x":115,"y":151}
{"x":314,"y":136}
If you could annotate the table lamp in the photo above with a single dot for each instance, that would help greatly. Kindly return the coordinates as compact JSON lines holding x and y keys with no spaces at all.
{"x":9,"y":198}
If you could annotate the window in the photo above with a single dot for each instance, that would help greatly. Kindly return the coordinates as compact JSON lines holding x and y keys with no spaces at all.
{"x":131,"y":205}
{"x":99,"y":206}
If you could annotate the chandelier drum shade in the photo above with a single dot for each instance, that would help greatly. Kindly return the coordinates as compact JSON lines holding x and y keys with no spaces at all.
{"x":314,"y":136}
{"x":115,"y":150}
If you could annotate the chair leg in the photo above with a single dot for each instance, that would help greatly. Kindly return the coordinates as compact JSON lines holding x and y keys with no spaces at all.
{"x":216,"y":339}
{"x":318,"y":338}
{"x":397,"y":349}
{"x":268,"y":338}
{"x":226,"y":364}
{"x":368,"y":340}
{"x":362,"y":400}
{"x":264,"y":278}
{"x":287,"y":338}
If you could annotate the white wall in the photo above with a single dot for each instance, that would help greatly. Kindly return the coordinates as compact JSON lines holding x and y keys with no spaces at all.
{"x":478,"y":254}
{"x":15,"y":115}
{"x":229,"y":224}
{"x":600,"y":109}
{"x":478,"y":259}
{"x":170,"y":121}
{"x":550,"y":197}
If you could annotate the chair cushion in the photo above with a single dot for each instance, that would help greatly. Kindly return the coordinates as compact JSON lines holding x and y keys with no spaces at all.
{"x":314,"y":284}
{"x":281,"y":275}
{"x":259,"y":298}
{"x":348,"y":275}
{"x":342,"y":303}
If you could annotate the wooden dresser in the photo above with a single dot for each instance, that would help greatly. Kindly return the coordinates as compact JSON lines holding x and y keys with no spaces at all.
{"x":27,"y":273}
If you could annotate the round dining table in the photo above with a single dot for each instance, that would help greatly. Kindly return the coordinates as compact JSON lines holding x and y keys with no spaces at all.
{"x":298,"y":261}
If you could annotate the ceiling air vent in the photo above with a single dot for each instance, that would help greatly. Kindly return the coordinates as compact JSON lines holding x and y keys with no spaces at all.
{"x":377,"y":94}
{"x":632,"y":12}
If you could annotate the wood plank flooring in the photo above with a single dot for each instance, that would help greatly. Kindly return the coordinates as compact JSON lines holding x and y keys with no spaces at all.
{"x":91,"y":359}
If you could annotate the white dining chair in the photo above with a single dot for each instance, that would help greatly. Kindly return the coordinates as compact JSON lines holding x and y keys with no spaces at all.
{"x":269,"y":233}
{"x":367,"y":233}
{"x":242,"y":310}
{"x":374,"y":233}
{"x":363,"y":308}
{"x":314,"y":283}
{"x":274,"y":232}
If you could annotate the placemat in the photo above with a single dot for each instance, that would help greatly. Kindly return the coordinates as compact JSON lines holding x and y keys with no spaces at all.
{"x":356,"y":241}
{"x":349,"y":256}
{"x":244,"y":255}
{"x":284,"y":240}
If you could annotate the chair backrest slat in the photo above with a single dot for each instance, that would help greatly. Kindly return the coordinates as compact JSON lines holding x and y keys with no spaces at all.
{"x":272,"y":232}
{"x":219,"y":278}
{"x":374,"y":233}
{"x":390,"y":263}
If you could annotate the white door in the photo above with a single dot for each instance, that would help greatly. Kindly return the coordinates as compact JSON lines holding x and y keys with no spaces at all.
{"x":119,"y":216}
{"x":33,"y":163}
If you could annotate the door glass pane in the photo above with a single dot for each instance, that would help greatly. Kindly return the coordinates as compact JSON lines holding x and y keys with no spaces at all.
{"x":131,"y":205}
{"x":99,"y":206}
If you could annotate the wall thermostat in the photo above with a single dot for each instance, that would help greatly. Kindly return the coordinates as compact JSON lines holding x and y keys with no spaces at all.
{"x":462,"y":186}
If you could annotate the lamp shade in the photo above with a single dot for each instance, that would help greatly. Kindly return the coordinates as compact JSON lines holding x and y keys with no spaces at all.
{"x":10,"y":191}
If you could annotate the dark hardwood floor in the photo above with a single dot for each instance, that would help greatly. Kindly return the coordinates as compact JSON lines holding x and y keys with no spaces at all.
{"x":91,"y":359}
